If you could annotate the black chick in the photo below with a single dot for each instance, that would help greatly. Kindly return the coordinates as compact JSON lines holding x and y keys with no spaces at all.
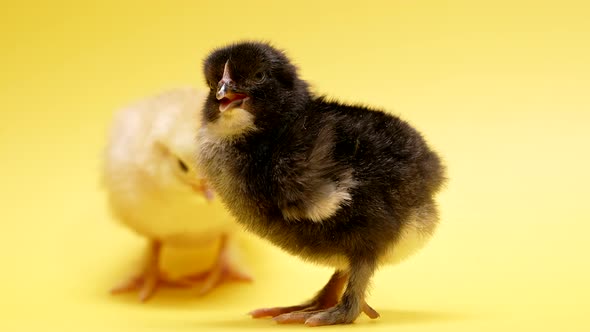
{"x":347,"y":186}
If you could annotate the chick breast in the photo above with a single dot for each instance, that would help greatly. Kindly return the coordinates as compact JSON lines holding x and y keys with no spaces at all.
{"x":177,"y":219}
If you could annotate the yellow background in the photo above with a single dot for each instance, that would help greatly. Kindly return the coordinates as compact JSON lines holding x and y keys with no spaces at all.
{"x":501,"y":89}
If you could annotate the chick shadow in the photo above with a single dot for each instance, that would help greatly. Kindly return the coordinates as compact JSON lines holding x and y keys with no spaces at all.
{"x":182,"y":298}
{"x":236,"y":316}
{"x":238,"y":298}
{"x":389,"y":317}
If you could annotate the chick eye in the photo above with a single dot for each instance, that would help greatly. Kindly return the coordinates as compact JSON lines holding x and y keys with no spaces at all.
{"x":183,"y":167}
{"x":259,"y":76}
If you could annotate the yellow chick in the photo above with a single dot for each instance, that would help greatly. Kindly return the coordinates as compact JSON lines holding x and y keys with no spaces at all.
{"x":154,"y":188}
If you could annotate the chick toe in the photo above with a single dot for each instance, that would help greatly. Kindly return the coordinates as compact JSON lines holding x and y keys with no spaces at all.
{"x":334,"y":315}
{"x":297,"y":317}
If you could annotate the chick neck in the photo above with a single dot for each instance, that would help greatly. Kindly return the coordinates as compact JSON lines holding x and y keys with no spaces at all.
{"x":286,"y":109}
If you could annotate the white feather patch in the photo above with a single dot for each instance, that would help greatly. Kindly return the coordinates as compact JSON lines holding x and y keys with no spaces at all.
{"x":328,"y":206}
{"x":231,"y":123}
{"x":327,"y":201}
{"x":331,"y":200}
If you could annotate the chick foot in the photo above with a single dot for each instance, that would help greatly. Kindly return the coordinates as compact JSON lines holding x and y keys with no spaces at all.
{"x":323,"y":309}
{"x":335,"y":315}
{"x":328,"y":316}
{"x":147,"y":282}
{"x":222,"y":270}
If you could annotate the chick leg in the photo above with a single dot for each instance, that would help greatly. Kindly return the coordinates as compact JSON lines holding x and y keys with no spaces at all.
{"x":151,"y":278}
{"x":222,"y":270}
{"x":343,"y":312}
{"x":326,"y":298}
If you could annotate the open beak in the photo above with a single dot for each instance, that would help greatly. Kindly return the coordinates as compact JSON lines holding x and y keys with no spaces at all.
{"x":228,"y":98}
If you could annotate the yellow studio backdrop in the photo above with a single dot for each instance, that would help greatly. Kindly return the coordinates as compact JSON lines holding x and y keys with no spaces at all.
{"x":500,"y":88}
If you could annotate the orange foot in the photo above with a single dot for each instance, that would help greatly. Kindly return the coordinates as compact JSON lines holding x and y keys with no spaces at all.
{"x":338,"y":314}
{"x":150,"y":279}
{"x":323,"y":309}
{"x":221,"y":271}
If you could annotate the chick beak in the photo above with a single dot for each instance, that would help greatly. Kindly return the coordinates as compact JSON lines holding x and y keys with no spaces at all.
{"x":227,"y":97}
{"x":203,"y":189}
{"x":222,"y":91}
